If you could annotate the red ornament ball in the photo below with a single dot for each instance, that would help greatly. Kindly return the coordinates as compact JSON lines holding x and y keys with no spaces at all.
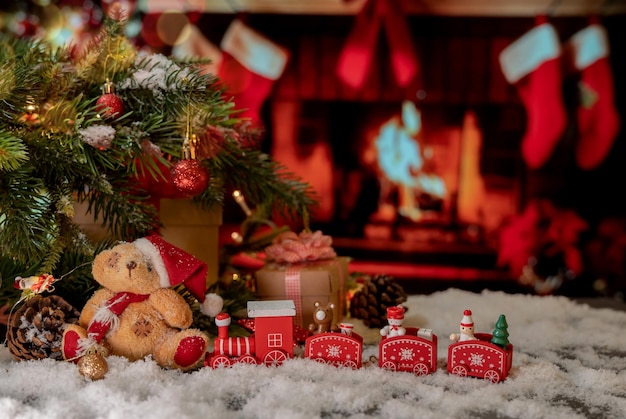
{"x":190,"y":177}
{"x":109,"y":106}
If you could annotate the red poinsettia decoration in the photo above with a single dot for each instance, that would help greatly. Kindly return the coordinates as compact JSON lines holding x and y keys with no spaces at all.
{"x":542,"y":229}
{"x":605,"y":255}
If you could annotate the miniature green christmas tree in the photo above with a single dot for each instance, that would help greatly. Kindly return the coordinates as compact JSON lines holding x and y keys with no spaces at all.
{"x":501,"y":332}
{"x":116,"y":128}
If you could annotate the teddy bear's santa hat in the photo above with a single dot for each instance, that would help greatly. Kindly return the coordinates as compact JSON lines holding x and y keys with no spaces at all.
{"x":175,"y":266}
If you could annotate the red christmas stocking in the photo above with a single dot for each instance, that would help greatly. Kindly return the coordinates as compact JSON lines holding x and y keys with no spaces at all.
{"x":358,"y":52}
{"x":250,"y":65}
{"x":532,"y":62}
{"x":598,"y":120}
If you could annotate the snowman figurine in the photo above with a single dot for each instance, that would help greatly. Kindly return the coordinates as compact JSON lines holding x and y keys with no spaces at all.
{"x":466,"y":328}
{"x":395,"y":316}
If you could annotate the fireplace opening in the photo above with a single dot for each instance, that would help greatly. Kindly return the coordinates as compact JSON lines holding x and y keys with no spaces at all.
{"x":400,"y":171}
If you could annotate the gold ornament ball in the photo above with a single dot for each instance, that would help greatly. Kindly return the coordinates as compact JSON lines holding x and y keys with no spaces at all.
{"x":93,"y":366}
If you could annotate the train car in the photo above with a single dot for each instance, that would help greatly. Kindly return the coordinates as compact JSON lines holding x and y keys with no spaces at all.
{"x":480,"y":358}
{"x":270,"y":344}
{"x":415,"y":351}
{"x":335,"y":348}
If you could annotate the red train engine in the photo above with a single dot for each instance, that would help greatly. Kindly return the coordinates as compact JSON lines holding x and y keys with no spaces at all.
{"x":415,"y":351}
{"x":271,"y":344}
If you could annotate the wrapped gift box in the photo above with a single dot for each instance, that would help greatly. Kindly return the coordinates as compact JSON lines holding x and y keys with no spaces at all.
{"x":305,"y":283}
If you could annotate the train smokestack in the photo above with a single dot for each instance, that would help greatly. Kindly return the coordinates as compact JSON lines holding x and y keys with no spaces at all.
{"x":222,"y":321}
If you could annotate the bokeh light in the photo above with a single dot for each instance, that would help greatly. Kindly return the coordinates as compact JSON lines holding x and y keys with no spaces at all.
{"x":149,"y":30}
{"x":161,"y":29}
{"x":170,"y":24}
{"x":160,"y":6}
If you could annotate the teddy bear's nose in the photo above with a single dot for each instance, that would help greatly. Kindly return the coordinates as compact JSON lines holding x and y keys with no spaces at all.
{"x":131,"y":265}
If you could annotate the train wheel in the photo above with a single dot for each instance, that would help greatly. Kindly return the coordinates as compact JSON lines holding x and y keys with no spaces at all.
{"x":389,"y":366}
{"x":420,"y":369}
{"x":350,"y":364}
{"x":493,"y":376}
{"x":460,"y":370}
{"x":248,"y":359}
{"x":220,"y":361}
{"x":274,"y":358}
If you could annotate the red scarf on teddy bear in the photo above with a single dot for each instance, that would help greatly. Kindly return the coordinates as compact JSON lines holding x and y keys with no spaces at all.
{"x":107,"y":316}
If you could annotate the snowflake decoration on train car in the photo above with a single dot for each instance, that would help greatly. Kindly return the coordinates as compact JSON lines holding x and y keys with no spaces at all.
{"x":334,"y":351}
{"x":407,"y":354}
{"x":477,"y":360}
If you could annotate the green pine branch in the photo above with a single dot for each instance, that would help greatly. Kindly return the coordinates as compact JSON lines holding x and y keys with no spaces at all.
{"x":57,"y":150}
{"x":263,"y":181}
{"x":13,"y":152}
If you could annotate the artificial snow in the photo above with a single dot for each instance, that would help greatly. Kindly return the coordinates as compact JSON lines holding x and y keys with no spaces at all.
{"x":569,"y":362}
{"x":98,"y":136}
{"x":157,"y":73}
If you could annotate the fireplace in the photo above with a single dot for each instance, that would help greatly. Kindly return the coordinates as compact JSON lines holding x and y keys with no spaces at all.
{"x":381,"y":176}
{"x":473,"y":123}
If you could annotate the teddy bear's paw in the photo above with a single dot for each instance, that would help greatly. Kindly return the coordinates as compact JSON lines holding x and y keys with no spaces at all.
{"x":183,"y":350}
{"x":190,"y":351}
{"x":71,"y":344}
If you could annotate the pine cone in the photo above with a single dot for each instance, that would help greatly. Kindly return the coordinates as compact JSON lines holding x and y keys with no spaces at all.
{"x":371,"y":301}
{"x":35,"y":330}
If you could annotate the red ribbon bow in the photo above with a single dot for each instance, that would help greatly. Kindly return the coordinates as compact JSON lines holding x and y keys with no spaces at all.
{"x":356,"y":56}
{"x":290,"y":247}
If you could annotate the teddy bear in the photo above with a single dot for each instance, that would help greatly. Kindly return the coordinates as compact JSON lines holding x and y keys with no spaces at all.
{"x":323,"y":317}
{"x":136,"y":313}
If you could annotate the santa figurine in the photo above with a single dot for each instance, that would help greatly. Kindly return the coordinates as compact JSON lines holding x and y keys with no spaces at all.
{"x":466,"y":328}
{"x":395,"y":316}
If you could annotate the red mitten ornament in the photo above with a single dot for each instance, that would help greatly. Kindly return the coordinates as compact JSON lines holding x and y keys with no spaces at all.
{"x":598,"y":120}
{"x":109,"y":105}
{"x":532,"y":62}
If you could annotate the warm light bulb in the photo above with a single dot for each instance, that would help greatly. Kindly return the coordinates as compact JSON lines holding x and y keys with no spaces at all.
{"x":236,"y":237}
{"x":242,"y":202}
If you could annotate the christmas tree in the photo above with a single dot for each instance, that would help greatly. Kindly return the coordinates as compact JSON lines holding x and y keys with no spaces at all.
{"x":116,"y":128}
{"x":501,"y":332}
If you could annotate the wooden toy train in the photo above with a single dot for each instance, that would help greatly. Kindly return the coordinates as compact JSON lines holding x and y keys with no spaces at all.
{"x":409,"y":349}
